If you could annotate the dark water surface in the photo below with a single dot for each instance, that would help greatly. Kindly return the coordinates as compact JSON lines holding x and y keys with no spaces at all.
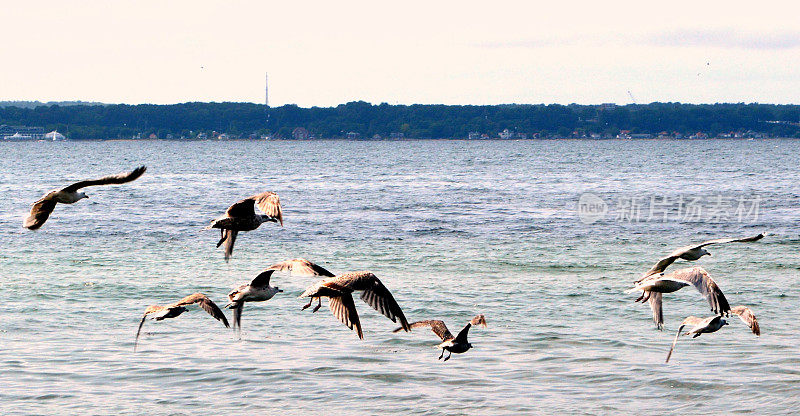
{"x":453,"y":228}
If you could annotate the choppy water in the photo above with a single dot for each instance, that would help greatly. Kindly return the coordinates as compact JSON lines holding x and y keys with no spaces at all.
{"x":453,"y":228}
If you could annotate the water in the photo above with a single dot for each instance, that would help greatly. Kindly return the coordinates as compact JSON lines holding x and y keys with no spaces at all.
{"x":453,"y":228}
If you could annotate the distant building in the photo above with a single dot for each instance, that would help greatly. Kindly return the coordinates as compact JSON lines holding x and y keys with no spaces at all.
{"x":223,"y":136}
{"x":300,"y":133}
{"x":396,"y":135}
{"x":54,"y":136}
{"x":474,"y":135}
{"x":21,"y":133}
{"x":353,"y":135}
{"x":505,"y":134}
{"x":202,"y":136}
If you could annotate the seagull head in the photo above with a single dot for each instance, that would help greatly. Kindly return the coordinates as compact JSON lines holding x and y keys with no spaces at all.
{"x":82,"y":195}
{"x":704,"y":252}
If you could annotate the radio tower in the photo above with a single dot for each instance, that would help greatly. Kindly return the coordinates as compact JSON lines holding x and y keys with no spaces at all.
{"x":266,"y":98}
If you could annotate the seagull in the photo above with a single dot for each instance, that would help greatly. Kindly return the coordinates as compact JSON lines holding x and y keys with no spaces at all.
{"x":339,"y":289}
{"x":42,"y":208}
{"x":303,"y":267}
{"x":714,"y":324}
{"x":458,"y":344}
{"x":257,"y":290}
{"x":692,"y":253}
{"x":159,"y":313}
{"x":242,"y":217}
{"x":654,"y":286}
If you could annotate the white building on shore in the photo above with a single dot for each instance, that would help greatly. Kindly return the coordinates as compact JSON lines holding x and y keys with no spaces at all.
{"x":55,"y":136}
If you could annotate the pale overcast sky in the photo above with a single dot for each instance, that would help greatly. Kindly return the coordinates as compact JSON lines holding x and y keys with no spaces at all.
{"x":462,"y":52}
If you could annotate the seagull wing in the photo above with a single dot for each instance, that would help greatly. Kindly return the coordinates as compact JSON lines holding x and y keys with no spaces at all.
{"x":692,"y":321}
{"x":40,"y":211}
{"x":207,"y":304}
{"x":243,"y":208}
{"x":148,"y":311}
{"x":747,"y":316}
{"x":237,"y":315}
{"x":344,"y":309}
{"x":675,"y":341}
{"x":301,"y":267}
{"x":262,"y":280}
{"x":461,"y":338}
{"x":438,"y":327}
{"x":730,"y":240}
{"x":108,"y":180}
{"x":269,"y":204}
{"x":655,"y":301}
{"x":229,"y":237}
{"x":659,"y":267}
{"x":704,"y":284}
{"x":375,"y":294}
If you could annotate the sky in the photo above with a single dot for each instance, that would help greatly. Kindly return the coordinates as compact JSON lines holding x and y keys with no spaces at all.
{"x":325,"y":53}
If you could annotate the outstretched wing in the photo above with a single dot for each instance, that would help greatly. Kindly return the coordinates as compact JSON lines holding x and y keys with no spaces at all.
{"x":229,"y":237}
{"x":40,"y":212}
{"x":108,"y":180}
{"x":692,"y":321}
{"x":704,"y":284}
{"x":461,"y":338}
{"x":656,"y":306}
{"x":136,"y":342}
{"x":243,"y":208}
{"x":658,"y":267}
{"x":438,"y":327}
{"x":207,"y":304}
{"x":747,"y":316}
{"x":148,"y":311}
{"x":344,"y":309}
{"x":269,"y":204}
{"x":301,"y":267}
{"x":731,"y":240}
{"x":262,"y":280}
{"x":375,"y":294}
{"x":675,"y":341}
{"x":237,"y":315}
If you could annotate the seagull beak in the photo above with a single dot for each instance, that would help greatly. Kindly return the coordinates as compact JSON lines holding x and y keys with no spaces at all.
{"x":280,"y":290}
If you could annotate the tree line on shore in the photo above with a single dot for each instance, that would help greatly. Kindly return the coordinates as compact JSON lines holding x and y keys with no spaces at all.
{"x":243,"y":120}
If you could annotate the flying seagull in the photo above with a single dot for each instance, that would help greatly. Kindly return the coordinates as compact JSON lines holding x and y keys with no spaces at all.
{"x":241,"y":216}
{"x":303,"y":267}
{"x":714,"y":324}
{"x":451,"y":344}
{"x":42,"y":208}
{"x":257,"y":290}
{"x":654,"y":286}
{"x":692,"y":253}
{"x":159,"y":313}
{"x":339,"y":289}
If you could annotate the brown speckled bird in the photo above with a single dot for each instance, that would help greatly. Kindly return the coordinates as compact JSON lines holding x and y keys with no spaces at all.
{"x":241,"y":216}
{"x":159,"y":313}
